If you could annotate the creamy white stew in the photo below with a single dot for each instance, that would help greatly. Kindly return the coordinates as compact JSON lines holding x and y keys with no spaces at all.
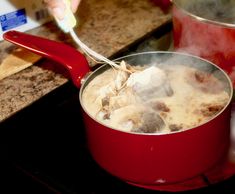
{"x":154,"y":100}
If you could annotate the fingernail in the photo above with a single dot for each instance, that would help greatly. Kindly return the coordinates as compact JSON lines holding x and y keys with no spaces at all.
{"x":58,"y":13}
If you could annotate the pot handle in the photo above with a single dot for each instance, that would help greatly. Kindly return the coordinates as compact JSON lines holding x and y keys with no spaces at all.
{"x":75,"y":62}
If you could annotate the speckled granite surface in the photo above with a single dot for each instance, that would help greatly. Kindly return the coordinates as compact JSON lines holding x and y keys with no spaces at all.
{"x":105,"y":26}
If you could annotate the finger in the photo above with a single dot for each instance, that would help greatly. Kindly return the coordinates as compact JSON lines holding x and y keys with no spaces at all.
{"x":74,"y":5}
{"x":56,"y":8}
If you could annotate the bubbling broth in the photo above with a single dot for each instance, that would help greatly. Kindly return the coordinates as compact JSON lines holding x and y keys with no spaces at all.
{"x":154,"y":99}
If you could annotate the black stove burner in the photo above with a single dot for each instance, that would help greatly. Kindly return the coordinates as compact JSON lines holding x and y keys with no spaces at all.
{"x":45,"y":152}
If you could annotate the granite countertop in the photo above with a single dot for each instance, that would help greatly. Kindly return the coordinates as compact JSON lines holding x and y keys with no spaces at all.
{"x":106,"y":26}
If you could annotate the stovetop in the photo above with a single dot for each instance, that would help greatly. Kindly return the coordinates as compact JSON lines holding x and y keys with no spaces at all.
{"x":43,"y":147}
{"x":44,"y":151}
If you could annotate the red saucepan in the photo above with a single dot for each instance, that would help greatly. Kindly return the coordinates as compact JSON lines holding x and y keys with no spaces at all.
{"x":206,"y":29}
{"x":143,"y":159}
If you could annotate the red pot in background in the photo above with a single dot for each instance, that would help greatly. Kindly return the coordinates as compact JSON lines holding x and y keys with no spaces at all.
{"x":144,"y":159}
{"x":204,"y":35}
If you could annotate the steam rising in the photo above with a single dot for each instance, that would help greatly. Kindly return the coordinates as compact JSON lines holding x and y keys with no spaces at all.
{"x":215,"y":10}
{"x":167,"y":92}
{"x":212,"y":41}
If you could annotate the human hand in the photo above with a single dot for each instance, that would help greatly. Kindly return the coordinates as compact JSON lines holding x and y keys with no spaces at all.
{"x":57,"y":7}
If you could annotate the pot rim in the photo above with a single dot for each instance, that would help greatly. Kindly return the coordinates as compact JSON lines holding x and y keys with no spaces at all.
{"x":159,"y":133}
{"x":201,"y":19}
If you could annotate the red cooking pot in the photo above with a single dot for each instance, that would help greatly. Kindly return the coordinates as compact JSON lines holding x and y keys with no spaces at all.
{"x":206,"y":29}
{"x":139,"y":158}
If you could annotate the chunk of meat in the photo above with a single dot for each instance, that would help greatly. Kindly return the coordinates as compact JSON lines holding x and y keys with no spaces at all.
{"x":152,"y":123}
{"x":175,"y":127}
{"x":159,"y":106}
{"x":205,"y":82}
{"x":209,"y":110}
{"x":105,"y":101}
